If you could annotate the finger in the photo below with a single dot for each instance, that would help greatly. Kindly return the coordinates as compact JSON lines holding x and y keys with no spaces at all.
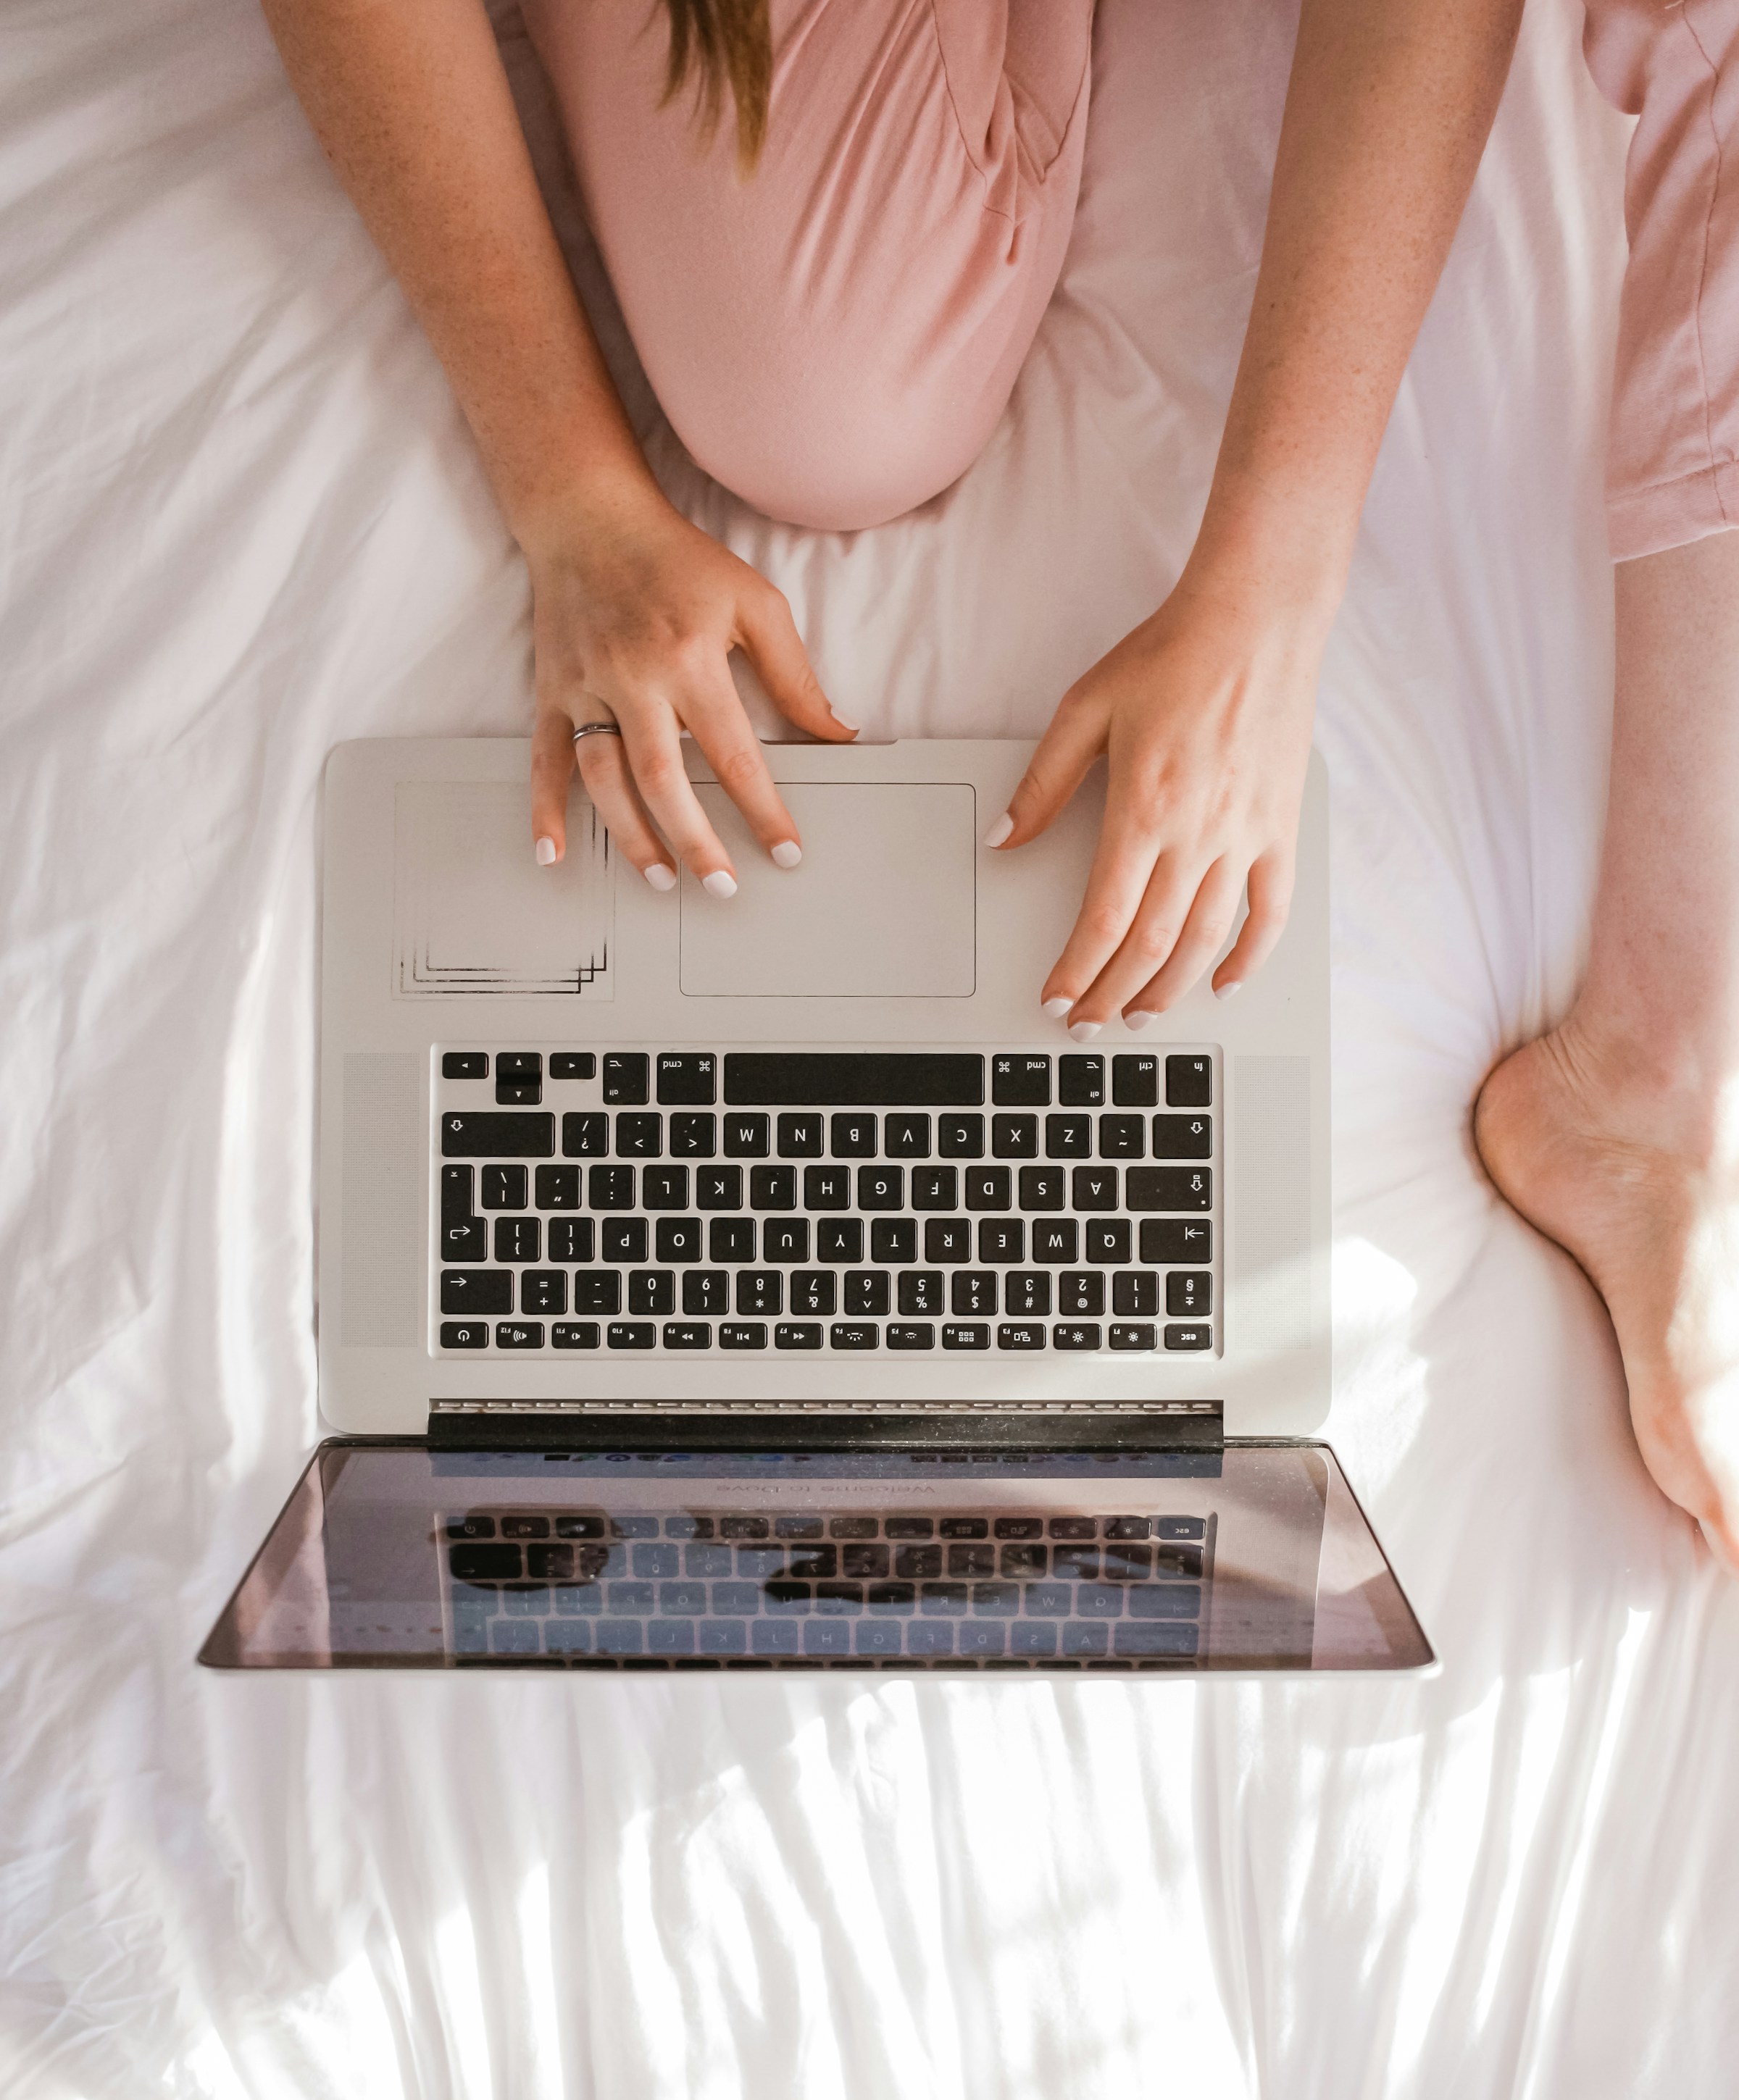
{"x":1270,"y":901}
{"x":1155,"y":929}
{"x":603,"y":773}
{"x":552,"y":768}
{"x":771,"y":643}
{"x":715,"y":719}
{"x":654,"y":759}
{"x":1067,"y":749}
{"x":1123,"y":868}
{"x":1210,"y":920}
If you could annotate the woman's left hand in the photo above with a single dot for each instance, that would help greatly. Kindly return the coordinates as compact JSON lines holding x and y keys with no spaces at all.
{"x":1204,"y":715}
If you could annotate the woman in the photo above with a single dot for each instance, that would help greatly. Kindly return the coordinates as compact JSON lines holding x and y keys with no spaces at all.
{"x":833,"y":226}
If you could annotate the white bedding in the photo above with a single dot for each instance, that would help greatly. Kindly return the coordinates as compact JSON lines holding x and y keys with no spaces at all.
{"x":241,"y":520}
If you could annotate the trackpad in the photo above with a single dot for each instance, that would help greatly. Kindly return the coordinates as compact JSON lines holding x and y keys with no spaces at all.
{"x":883,"y":906}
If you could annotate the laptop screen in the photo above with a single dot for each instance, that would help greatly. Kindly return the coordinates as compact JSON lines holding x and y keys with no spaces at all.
{"x":1254,"y":1557}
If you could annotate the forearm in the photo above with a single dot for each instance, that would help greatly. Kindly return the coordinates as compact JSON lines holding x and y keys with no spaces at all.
{"x":410,"y":100}
{"x":1387,"y":115}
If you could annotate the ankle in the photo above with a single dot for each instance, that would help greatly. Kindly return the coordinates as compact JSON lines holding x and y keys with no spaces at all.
{"x":1663,"y":1086}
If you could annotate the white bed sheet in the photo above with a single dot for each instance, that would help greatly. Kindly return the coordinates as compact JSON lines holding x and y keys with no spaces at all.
{"x":241,"y":520}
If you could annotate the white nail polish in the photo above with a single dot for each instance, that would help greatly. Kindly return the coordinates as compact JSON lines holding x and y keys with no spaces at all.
{"x":1139,"y":1019}
{"x":546,"y":852}
{"x":1226,"y":990}
{"x":1054,"y":1008}
{"x":1000,"y":830}
{"x":1084,"y":1031}
{"x":718,"y":883}
{"x":787,"y":854}
{"x":660,"y":877}
{"x":852,"y":729}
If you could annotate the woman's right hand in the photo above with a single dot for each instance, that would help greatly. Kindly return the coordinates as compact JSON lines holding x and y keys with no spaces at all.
{"x":635,"y":612}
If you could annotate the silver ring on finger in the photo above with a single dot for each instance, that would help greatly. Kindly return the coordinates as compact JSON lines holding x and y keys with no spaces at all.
{"x":597,"y":728}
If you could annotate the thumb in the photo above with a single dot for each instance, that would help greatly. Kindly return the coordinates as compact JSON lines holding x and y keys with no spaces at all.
{"x":773,"y":645}
{"x":1067,"y":749}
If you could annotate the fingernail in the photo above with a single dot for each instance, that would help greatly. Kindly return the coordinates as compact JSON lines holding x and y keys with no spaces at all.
{"x":1139,"y":1019}
{"x":1084,"y":1031}
{"x":546,"y":852}
{"x":1054,"y":1009}
{"x":1000,"y":830}
{"x":660,"y":877}
{"x":1226,"y":990}
{"x":718,"y":883}
{"x":852,"y":727}
{"x":787,"y":854}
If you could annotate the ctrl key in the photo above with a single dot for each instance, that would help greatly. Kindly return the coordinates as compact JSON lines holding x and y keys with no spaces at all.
{"x":464,"y":1334}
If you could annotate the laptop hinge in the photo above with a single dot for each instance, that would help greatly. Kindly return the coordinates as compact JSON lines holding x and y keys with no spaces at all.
{"x":530,"y":1425}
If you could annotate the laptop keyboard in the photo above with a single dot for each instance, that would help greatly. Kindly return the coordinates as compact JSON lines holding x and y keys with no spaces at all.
{"x":976,"y":1587}
{"x":685,"y":1201}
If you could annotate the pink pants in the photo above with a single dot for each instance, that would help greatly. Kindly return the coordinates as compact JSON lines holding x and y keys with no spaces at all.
{"x":835,"y":338}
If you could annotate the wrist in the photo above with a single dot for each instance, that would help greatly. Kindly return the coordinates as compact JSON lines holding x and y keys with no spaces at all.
{"x":599,"y":500}
{"x":1282,"y":556}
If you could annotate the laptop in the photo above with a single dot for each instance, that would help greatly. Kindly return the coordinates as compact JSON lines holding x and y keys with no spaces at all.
{"x":764,"y":1284}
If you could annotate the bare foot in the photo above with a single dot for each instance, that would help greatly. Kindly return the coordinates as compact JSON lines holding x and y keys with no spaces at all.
{"x":1627,"y":1176}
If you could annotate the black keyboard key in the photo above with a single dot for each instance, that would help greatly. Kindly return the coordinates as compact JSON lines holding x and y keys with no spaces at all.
{"x":610,"y":1188}
{"x":519,"y":1078}
{"x":706,"y":1292}
{"x":519,"y":1335}
{"x":504,"y":1188}
{"x":573,"y":1065}
{"x":732,"y":1240}
{"x":1141,"y":1336}
{"x":627,"y":1082}
{"x":881,"y":1188}
{"x":1054,"y":1241}
{"x":495,"y":1134}
{"x":893,"y":1239}
{"x":1021,"y":1335}
{"x":1014,"y":1137}
{"x":746,"y":1137}
{"x":947,"y":1240}
{"x":935,"y":1188}
{"x":969,"y":1336}
{"x":1170,"y":1188}
{"x":1043,"y":1188}
{"x":687,"y":1334}
{"x":1188,"y":1082}
{"x":813,"y":1291}
{"x":773,"y":1187}
{"x":1020,"y":1082}
{"x":802,"y":1136}
{"x":1080,"y":1292}
{"x":1188,"y":1294}
{"x":1136,"y":1295}
{"x":632,"y":1334}
{"x":694,"y":1136}
{"x":464,"y":1334}
{"x":585,"y":1136}
{"x":906,"y":1137}
{"x":839,"y":1239}
{"x":1183,"y":1137}
{"x":1108,"y":1239}
{"x":1070,"y":1335}
{"x":687,"y":1079}
{"x":1002,"y":1240}
{"x":663,"y":1189}
{"x":743,"y":1334}
{"x":782,"y":1239}
{"x":960,"y":1137}
{"x":464,"y":1238}
{"x":624,"y":1239}
{"x":651,"y":1290}
{"x":1177,"y":1241}
{"x":921,"y":1291}
{"x":640,"y":1136}
{"x":1027,"y":1294}
{"x":989,"y":1189}
{"x":1122,"y":1137}
{"x":854,"y":1334}
{"x":1134,"y":1082}
{"x":543,"y":1291}
{"x":797,"y":1335}
{"x":854,"y":1136}
{"x":1022,"y":1563}
{"x":518,"y":1239}
{"x":973,"y":1290}
{"x":597,"y":1291}
{"x":1180,"y":1527}
{"x":760,"y":1291}
{"x":558,"y":1188}
{"x":1081,"y":1083}
{"x":519,"y":1093}
{"x":575,"y":1335}
{"x":676,"y":1239}
{"x":465,"y":1064}
{"x":718,"y":1187}
{"x":1093,"y":1188}
{"x":918,"y":1335}
{"x":866,"y":1293}
{"x":859,"y":1080}
{"x":1189,"y":1337}
{"x":827,"y":1187}
{"x":1068,"y":1137}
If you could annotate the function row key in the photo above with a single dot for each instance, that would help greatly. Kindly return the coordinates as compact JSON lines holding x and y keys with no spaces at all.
{"x":800,"y":1335}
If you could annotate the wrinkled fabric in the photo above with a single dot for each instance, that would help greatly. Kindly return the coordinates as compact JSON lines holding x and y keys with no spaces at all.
{"x":240,"y":519}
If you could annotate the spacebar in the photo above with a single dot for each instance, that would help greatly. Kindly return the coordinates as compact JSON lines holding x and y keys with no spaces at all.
{"x":857,"y":1079}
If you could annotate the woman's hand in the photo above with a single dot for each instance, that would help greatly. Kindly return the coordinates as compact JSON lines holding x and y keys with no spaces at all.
{"x":635,"y":612}
{"x":1204,"y":714}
